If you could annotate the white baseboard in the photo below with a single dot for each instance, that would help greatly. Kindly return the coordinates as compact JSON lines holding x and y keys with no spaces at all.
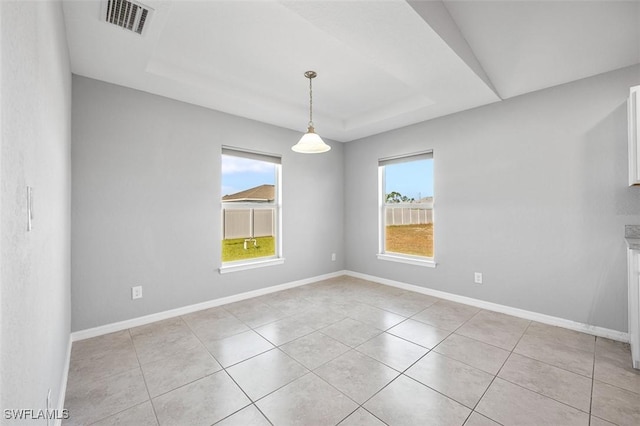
{"x":147,"y":319}
{"x":63,"y":383}
{"x":520,"y":313}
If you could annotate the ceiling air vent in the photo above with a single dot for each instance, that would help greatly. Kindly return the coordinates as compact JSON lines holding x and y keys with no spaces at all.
{"x":126,"y":14}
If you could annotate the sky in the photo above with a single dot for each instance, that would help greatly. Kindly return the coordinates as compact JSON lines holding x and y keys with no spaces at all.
{"x":240,"y":173}
{"x":413,"y":179}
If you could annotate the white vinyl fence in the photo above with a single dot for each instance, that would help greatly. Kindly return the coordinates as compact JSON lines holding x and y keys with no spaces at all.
{"x":408,"y":215}
{"x":247,"y":223}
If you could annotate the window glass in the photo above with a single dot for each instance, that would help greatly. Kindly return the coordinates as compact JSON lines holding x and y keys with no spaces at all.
{"x":407,"y":206}
{"x":250,"y":206}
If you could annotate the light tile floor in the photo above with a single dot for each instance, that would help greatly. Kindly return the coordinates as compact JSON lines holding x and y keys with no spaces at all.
{"x":350,"y":352}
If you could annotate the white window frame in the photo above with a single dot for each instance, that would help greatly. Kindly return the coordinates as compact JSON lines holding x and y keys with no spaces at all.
{"x":276,"y":205}
{"x":393,"y":256}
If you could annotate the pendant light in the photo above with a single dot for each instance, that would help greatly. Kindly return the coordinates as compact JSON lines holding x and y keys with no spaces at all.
{"x":311,"y":142}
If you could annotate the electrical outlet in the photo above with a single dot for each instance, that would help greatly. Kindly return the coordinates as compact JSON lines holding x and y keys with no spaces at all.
{"x":333,"y":257}
{"x":477,"y":277}
{"x":136,"y":292}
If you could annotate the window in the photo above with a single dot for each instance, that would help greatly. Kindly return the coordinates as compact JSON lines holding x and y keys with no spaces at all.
{"x":406,"y":209}
{"x":251,"y":210}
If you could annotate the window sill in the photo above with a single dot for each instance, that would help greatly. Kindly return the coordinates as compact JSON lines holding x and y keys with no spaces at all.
{"x":428,"y":263}
{"x":234,"y":267}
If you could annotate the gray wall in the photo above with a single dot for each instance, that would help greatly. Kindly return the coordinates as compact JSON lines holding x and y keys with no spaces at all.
{"x":146,"y":204}
{"x":35,"y":138}
{"x":531,"y":191}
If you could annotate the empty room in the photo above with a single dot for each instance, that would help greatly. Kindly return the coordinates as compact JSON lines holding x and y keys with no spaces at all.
{"x":368,"y":212}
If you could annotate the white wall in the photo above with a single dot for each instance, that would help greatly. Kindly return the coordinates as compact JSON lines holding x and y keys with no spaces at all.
{"x":146,"y":204}
{"x":35,"y":137}
{"x":531,"y":191}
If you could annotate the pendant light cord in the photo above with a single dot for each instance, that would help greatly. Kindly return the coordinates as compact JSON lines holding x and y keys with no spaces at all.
{"x":310,"y":103}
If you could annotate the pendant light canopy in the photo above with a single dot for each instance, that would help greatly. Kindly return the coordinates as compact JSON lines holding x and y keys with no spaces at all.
{"x":311,"y":142}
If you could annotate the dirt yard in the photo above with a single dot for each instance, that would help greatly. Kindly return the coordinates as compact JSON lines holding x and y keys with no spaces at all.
{"x":416,"y":240}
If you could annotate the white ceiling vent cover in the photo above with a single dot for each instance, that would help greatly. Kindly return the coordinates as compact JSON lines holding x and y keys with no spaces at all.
{"x":130,"y":15}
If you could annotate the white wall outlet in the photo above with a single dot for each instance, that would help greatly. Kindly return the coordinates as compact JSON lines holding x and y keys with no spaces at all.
{"x":477,"y":277}
{"x":333,"y":257}
{"x":136,"y":292}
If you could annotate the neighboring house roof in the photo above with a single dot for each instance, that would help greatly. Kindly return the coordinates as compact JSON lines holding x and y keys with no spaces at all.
{"x":261,"y":193}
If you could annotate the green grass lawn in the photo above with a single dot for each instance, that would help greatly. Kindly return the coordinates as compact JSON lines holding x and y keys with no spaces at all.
{"x":234,"y":249}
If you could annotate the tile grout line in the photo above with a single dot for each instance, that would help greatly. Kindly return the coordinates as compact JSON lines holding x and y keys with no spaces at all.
{"x":275,"y":347}
{"x":222,"y":367}
{"x":510,"y":353}
{"x":351,"y":348}
{"x":402,"y":373}
{"x":593,"y":378}
{"x":146,"y":386}
{"x":520,"y":354}
{"x":108,"y":376}
{"x":497,"y":373}
{"x":191,"y":381}
{"x":437,"y":391}
{"x":552,"y":365}
{"x":541,"y":394}
{"x":251,"y":401}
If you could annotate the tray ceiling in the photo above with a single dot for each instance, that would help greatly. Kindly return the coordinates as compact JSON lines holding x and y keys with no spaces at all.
{"x":381,"y":64}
